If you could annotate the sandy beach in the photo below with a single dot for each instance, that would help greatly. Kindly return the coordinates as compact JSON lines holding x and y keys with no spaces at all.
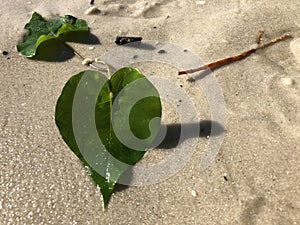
{"x":253,"y":180}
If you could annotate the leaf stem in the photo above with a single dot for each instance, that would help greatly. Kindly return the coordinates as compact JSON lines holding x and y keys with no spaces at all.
{"x":78,"y":54}
{"x":90,"y":64}
{"x":231,"y":59}
{"x":105,"y":64}
{"x":73,"y":50}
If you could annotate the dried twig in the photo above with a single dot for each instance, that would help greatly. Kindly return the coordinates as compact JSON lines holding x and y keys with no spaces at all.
{"x":231,"y":59}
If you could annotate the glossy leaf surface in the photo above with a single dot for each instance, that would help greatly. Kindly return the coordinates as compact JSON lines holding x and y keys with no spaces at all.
{"x":108,"y":124}
{"x":41,"y":30}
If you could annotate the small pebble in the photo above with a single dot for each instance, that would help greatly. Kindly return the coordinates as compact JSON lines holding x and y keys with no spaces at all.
{"x":194,"y":193}
{"x":162,"y":51}
{"x":122,"y":40}
{"x":5,"y":52}
{"x":87,"y":61}
{"x":200,"y":2}
{"x":286,"y":81}
{"x":91,"y":48}
{"x":92,"y":11}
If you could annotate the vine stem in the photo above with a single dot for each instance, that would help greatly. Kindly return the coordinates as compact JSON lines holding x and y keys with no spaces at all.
{"x":103,"y":63}
{"x":243,"y":55}
{"x":73,"y":50}
{"x":90,"y":64}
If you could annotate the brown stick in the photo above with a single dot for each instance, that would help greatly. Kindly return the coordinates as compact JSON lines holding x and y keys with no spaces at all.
{"x":231,"y":59}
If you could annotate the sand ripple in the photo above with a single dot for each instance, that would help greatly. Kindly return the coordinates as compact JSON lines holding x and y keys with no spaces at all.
{"x":145,"y":8}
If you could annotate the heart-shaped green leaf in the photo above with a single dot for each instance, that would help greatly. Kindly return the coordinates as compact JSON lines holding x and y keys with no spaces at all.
{"x":41,"y":30}
{"x":108,"y":124}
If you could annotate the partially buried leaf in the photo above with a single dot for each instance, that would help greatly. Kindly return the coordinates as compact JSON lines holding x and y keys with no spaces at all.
{"x":41,"y":30}
{"x":108,"y":124}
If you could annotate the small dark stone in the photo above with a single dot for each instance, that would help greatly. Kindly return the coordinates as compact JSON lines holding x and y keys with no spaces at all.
{"x":120,"y":40}
{"x":185,"y":50}
{"x":135,"y":56}
{"x":162,"y":51}
{"x":180,"y":100}
{"x":5,"y":52}
{"x":154,"y":27}
{"x":92,"y":2}
{"x":181,"y":85}
{"x":225,"y":178}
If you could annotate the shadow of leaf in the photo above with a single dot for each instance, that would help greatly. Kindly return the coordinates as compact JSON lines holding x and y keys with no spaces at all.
{"x":172,"y":137}
{"x":81,"y":37}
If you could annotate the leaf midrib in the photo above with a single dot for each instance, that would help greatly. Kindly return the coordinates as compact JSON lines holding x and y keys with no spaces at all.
{"x":110,"y":127}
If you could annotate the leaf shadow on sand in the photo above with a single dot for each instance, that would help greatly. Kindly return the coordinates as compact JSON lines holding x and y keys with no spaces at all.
{"x":173,"y":133}
{"x":55,"y":50}
{"x":173,"y":138}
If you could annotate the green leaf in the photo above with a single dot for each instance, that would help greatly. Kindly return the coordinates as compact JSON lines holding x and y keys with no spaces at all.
{"x":41,"y":30}
{"x":108,"y":124}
